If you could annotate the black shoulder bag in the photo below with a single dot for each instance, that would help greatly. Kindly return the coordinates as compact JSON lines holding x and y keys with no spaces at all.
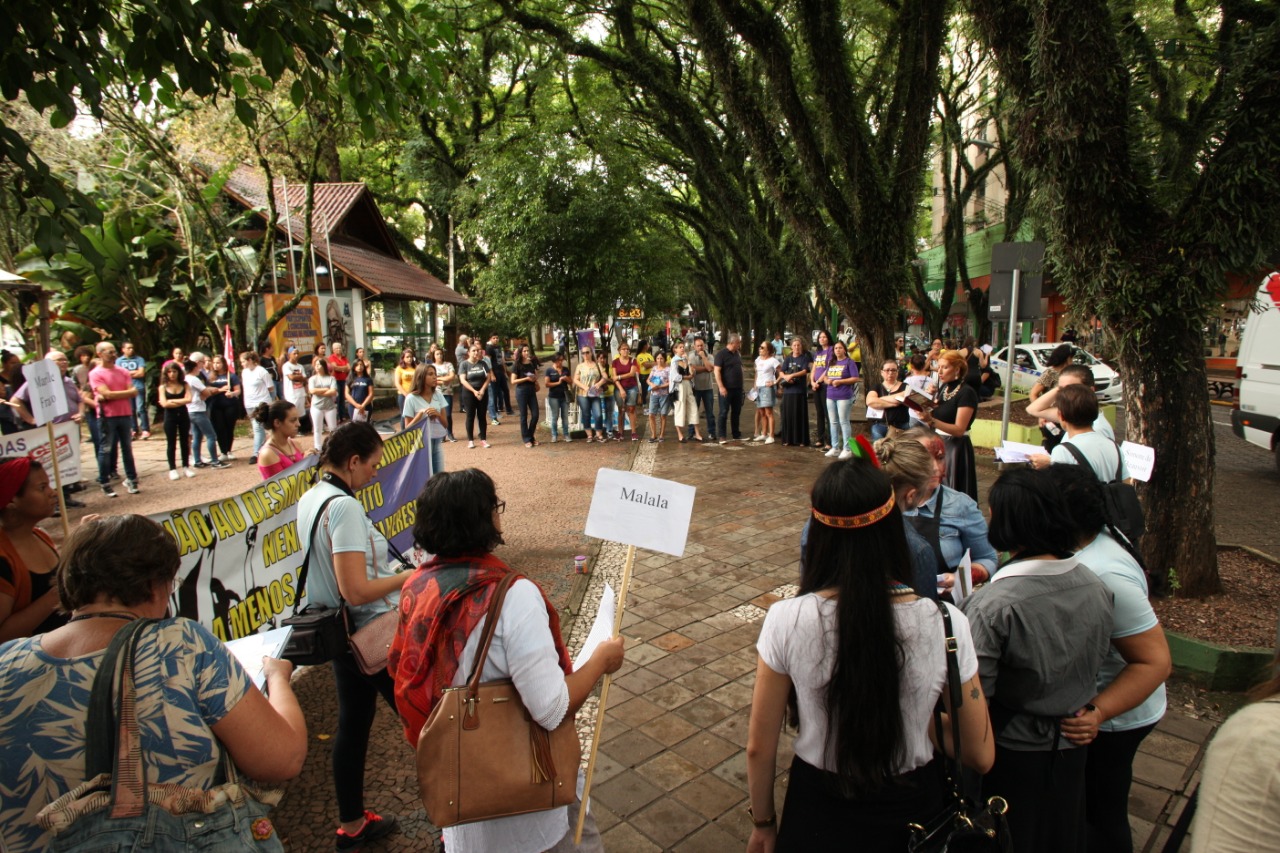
{"x":961,"y":826}
{"x":1124,"y":511}
{"x":319,"y":632}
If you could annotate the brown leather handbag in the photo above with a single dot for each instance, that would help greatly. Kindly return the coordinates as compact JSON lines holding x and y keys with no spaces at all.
{"x":480,"y":754}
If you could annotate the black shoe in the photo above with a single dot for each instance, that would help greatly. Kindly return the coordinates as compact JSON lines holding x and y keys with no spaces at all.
{"x":375,"y":826}
{"x":218,"y":464}
{"x":108,"y":491}
{"x":75,"y":503}
{"x":200,"y":465}
{"x":253,"y":460}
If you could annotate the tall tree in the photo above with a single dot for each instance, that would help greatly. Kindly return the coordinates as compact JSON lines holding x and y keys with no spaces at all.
{"x":833,"y":101}
{"x":1153,"y":135}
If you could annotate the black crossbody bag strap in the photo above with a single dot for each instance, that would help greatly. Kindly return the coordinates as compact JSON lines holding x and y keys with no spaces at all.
{"x":306,"y":555}
{"x":953,"y":690}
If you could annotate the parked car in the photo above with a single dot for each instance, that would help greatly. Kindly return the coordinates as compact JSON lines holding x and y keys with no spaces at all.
{"x":1029,"y":362}
{"x":1256,"y":417}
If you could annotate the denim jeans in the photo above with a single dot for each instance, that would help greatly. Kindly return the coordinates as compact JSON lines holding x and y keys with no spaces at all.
{"x":140,"y":419}
{"x":592,"y":413}
{"x":202,"y":426}
{"x":732,"y":400}
{"x":707,"y":400}
{"x":879,"y":429}
{"x":437,"y":456}
{"x":838,"y":417}
{"x":610,"y":415}
{"x":558,"y":410}
{"x":527,"y":406}
{"x":259,"y":434}
{"x":117,"y":431}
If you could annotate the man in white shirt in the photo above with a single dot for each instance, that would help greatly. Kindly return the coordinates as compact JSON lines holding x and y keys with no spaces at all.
{"x":258,"y":388}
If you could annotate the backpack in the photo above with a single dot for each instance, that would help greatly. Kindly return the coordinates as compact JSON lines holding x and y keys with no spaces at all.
{"x":1124,"y":511}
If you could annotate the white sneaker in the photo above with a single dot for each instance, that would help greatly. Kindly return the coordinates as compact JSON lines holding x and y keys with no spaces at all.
{"x":845,"y":454}
{"x":484,"y":444}
{"x":190,"y":472}
{"x":832,"y":453}
{"x":228,"y":456}
{"x":471,"y":445}
{"x":173,"y":474}
{"x":769,"y":440}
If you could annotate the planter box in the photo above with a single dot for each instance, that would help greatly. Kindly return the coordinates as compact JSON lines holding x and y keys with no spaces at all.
{"x":1218,"y":667}
{"x":986,"y":432}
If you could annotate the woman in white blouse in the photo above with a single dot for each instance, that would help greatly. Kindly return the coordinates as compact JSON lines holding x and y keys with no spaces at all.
{"x":866,"y":659}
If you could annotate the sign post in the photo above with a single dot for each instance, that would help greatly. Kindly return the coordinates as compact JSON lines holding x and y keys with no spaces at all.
{"x":1017,"y":273}
{"x":635,"y":510}
{"x":49,"y":401}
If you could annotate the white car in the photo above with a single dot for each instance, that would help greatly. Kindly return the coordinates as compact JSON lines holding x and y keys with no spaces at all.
{"x":1029,"y":361}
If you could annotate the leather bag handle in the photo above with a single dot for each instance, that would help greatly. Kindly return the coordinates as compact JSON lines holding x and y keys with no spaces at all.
{"x":490,"y":628}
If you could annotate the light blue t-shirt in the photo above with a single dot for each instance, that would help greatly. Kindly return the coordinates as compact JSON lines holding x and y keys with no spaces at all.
{"x":133,"y":362}
{"x":415,"y":403}
{"x":349,"y":529}
{"x":1102,"y":453}
{"x":1132,"y":615}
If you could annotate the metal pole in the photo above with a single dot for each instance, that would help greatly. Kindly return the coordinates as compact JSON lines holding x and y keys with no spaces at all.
{"x":1008,"y":357}
{"x":288,"y":229}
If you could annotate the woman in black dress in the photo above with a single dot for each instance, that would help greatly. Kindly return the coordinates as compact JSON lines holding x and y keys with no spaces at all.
{"x":952,"y":416}
{"x":793,"y":376}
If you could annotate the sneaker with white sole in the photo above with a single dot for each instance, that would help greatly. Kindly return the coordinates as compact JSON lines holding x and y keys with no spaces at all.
{"x":131,"y":486}
{"x":471,"y":445}
{"x":832,"y":453}
{"x":108,"y":491}
{"x":190,"y":472}
{"x":845,"y":454}
{"x":219,"y":464}
{"x":228,"y":456}
{"x":484,"y":444}
{"x":769,"y":440}
{"x":173,"y":474}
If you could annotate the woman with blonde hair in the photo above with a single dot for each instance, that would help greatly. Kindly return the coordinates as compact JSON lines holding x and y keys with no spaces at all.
{"x":952,"y":416}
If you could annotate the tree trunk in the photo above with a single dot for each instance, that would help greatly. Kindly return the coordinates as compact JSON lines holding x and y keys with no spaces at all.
{"x":1167,"y":397}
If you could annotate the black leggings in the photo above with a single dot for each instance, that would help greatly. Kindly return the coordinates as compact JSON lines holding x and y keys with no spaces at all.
{"x":224,"y":425}
{"x":357,"y":704}
{"x":177,"y":428}
{"x":473,"y":405}
{"x":527,"y":405}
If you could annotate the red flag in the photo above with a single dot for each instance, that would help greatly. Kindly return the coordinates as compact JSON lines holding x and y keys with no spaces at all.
{"x":228,"y":351}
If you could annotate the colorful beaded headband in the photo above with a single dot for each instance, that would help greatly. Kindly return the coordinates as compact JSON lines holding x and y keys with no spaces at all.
{"x":851,"y":521}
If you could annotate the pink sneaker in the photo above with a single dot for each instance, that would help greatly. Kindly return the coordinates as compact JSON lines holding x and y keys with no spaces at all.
{"x":485,"y":444}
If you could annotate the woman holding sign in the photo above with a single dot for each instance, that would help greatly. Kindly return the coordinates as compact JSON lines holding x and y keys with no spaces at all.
{"x":459,"y":519}
{"x":348,"y":563}
{"x":427,"y":401}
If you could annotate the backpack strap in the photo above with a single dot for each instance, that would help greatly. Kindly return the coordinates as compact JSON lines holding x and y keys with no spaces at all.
{"x":306,"y":556}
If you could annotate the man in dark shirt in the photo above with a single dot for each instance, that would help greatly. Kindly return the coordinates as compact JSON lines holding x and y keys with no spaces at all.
{"x":728,"y":366}
{"x":500,"y":398}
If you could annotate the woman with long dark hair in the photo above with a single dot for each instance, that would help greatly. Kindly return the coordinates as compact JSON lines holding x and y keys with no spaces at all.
{"x":476,"y":374}
{"x":524,"y":376}
{"x":426,"y":401}
{"x":793,"y":376}
{"x":447,"y":378}
{"x":174,"y":394}
{"x":1042,"y":629}
{"x":866,"y":660}
{"x":459,"y":520}
{"x":281,"y":420}
{"x":348,"y":563}
{"x":823,"y":355}
{"x":225,"y":408}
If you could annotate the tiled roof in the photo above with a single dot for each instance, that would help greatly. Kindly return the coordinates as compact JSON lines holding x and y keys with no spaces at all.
{"x":382,"y":275}
{"x":377,"y":271}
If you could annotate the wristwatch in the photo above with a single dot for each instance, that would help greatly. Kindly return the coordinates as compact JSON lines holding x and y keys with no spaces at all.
{"x":762,"y":824}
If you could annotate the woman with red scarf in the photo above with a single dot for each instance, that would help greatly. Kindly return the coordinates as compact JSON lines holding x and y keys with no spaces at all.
{"x":443,"y":608}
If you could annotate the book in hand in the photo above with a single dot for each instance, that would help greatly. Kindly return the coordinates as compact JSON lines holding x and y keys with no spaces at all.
{"x":249,"y":651}
{"x":913,"y":399}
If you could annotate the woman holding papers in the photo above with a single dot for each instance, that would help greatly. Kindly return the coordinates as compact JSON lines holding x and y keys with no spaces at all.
{"x":348,"y":563}
{"x":865,"y":659}
{"x":194,"y":699}
{"x":952,"y":417}
{"x":459,"y":519}
{"x":427,"y":401}
{"x":885,"y":408}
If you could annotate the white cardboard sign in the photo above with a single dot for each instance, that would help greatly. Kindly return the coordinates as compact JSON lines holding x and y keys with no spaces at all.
{"x":48,"y":397}
{"x":643,"y":511}
{"x":1139,"y":459}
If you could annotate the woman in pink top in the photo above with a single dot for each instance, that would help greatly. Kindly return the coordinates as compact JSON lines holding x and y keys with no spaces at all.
{"x":280,"y":419}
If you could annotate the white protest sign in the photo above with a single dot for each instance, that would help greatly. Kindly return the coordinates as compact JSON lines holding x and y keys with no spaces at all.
{"x":601,"y":629}
{"x":643,"y":511}
{"x":48,"y":397}
{"x":35,"y":443}
{"x":1139,"y":459}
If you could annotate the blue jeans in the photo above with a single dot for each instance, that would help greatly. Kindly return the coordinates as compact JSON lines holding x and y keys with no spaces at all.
{"x":437,"y":455}
{"x":838,"y":416}
{"x":140,"y":413}
{"x":733,"y":400}
{"x":259,"y":434}
{"x":592,"y":413}
{"x":707,"y":400}
{"x":527,"y":406}
{"x":879,"y":429}
{"x":201,"y":425}
{"x":610,"y":415}
{"x":558,"y":410}
{"x":117,"y":431}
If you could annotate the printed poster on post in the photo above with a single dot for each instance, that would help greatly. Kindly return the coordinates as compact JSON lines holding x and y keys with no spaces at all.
{"x":35,"y":443}
{"x":241,"y":555}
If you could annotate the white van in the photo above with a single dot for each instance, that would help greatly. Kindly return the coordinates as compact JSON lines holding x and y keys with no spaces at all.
{"x":1256,"y":417}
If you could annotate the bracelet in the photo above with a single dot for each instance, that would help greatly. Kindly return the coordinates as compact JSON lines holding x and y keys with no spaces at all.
{"x":762,"y":824}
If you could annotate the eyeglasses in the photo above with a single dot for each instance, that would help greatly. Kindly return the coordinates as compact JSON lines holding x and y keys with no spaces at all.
{"x":501,"y":507}
{"x":888,"y":370}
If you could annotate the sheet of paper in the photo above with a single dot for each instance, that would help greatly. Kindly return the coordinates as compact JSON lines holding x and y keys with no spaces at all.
{"x":963,"y":586}
{"x":1139,"y":459}
{"x":601,"y":629}
{"x":1023,"y":448}
{"x":1006,"y":455}
{"x":249,"y":651}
